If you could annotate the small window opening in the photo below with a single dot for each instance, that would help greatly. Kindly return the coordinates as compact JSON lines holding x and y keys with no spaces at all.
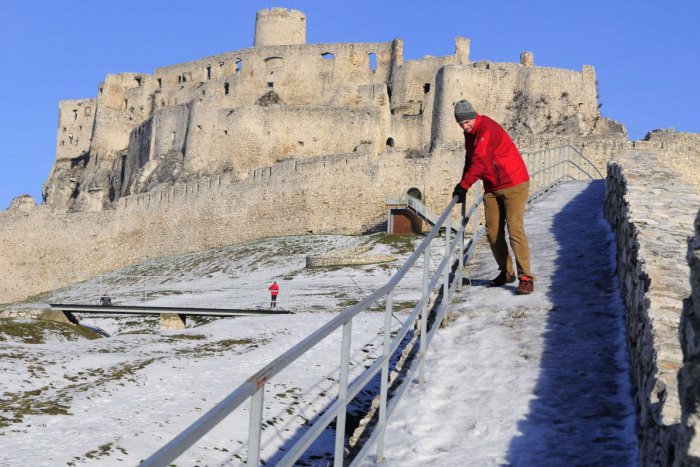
{"x":162,"y":103}
{"x":138,"y":81}
{"x":390,"y":142}
{"x":63,"y":143}
{"x":126,"y":104}
{"x":327,"y":56}
{"x":172,"y":135}
{"x":64,"y":128}
{"x":270,"y":84}
{"x":179,"y":78}
{"x":372,"y":61}
{"x":87,"y":111}
{"x":160,"y":83}
{"x":101,"y":90}
{"x":239,"y":65}
{"x":226,"y":89}
{"x":301,"y":143}
{"x":226,"y":132}
{"x":184,"y":77}
{"x":209,"y":72}
{"x":199,"y":127}
{"x":426,"y":88}
{"x":70,"y":137}
{"x":204,"y":92}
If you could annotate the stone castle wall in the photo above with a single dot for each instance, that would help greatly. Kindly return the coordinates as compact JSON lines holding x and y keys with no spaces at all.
{"x":689,"y":377}
{"x":652,"y":223}
{"x":679,"y":150}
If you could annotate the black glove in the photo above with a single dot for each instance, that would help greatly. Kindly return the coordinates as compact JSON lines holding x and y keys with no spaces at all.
{"x":460,"y":193}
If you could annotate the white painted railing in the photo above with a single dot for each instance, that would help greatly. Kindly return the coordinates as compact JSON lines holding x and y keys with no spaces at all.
{"x":548,"y":168}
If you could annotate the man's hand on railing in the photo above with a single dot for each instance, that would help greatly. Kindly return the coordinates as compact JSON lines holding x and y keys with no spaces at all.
{"x":460,"y":193}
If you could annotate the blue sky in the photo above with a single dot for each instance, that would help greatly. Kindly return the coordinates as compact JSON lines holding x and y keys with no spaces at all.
{"x":646,"y":54}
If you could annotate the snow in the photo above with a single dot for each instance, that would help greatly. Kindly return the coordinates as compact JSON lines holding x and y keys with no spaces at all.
{"x":533,"y":380}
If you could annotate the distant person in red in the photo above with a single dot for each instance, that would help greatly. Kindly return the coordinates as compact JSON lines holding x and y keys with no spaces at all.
{"x":274,"y":291}
{"x":492,"y":157}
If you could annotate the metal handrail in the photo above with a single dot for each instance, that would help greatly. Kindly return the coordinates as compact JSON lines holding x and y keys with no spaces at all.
{"x":552,"y":169}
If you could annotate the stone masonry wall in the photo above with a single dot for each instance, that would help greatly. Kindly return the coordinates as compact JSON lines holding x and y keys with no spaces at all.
{"x":651,"y":211}
{"x":689,"y":377}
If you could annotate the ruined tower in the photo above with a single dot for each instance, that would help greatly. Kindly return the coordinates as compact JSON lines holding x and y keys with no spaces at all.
{"x":279,"y":26}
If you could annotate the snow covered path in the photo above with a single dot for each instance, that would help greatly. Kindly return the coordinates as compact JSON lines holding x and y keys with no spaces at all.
{"x":534,"y":380}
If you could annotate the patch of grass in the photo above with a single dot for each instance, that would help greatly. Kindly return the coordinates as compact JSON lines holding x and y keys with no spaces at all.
{"x":400,"y":243}
{"x":215,"y":348}
{"x":35,"y":331}
{"x":186,"y":337}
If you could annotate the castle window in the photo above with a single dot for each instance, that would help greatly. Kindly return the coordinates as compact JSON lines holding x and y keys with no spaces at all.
{"x":226,"y":89}
{"x":101,"y":90}
{"x":126,"y":104}
{"x":160,"y":83}
{"x":162,"y":103}
{"x":426,"y":88}
{"x":75,"y":114}
{"x":327,"y":56}
{"x":239,"y":65}
{"x":138,"y":81}
{"x":70,"y":137}
{"x":372,"y":61}
{"x":390,"y":142}
{"x":270,"y":84}
{"x":209,"y":72}
{"x":172,"y":137}
{"x":179,"y":78}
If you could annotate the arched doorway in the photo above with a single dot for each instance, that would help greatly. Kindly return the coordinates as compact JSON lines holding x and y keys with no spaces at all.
{"x":414,"y":193}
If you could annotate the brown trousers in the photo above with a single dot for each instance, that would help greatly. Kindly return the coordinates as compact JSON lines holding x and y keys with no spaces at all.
{"x":507,"y":207}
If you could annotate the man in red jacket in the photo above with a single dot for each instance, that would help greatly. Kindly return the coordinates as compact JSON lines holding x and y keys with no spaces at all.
{"x":492,"y":157}
{"x":274,"y":291}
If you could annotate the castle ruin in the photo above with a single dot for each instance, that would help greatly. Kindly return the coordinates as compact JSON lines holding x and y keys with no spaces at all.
{"x":283,"y":138}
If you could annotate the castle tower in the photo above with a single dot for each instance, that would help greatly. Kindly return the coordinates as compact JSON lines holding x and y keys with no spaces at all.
{"x":279,"y":26}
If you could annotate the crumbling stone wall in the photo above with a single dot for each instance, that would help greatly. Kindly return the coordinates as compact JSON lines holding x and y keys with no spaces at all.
{"x":689,"y":376}
{"x":680,"y":150}
{"x":650,"y":211}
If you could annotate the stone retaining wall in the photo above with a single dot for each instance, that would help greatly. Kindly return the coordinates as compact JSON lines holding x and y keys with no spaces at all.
{"x":651,"y":211}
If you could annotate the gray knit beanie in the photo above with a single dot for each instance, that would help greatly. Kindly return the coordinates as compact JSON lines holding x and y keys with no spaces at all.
{"x":464,"y":111}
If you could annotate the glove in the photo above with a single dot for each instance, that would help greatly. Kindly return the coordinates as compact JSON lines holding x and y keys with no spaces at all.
{"x":460,"y":193}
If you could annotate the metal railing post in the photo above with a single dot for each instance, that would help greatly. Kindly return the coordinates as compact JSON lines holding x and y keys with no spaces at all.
{"x":424,"y":311}
{"x":343,"y":394}
{"x":384,"y":387}
{"x":460,"y":267}
{"x":446,"y":284}
{"x":475,"y":224}
{"x":255,"y":426}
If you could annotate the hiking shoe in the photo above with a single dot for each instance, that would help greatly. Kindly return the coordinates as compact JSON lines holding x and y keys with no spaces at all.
{"x":525,"y":286}
{"x":503,"y":279}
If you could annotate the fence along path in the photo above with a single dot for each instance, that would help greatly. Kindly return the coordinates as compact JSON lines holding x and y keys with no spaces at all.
{"x":548,"y":169}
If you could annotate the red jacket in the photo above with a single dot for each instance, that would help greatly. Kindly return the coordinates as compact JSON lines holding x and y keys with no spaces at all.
{"x":274,"y":289}
{"x":492,"y":157}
